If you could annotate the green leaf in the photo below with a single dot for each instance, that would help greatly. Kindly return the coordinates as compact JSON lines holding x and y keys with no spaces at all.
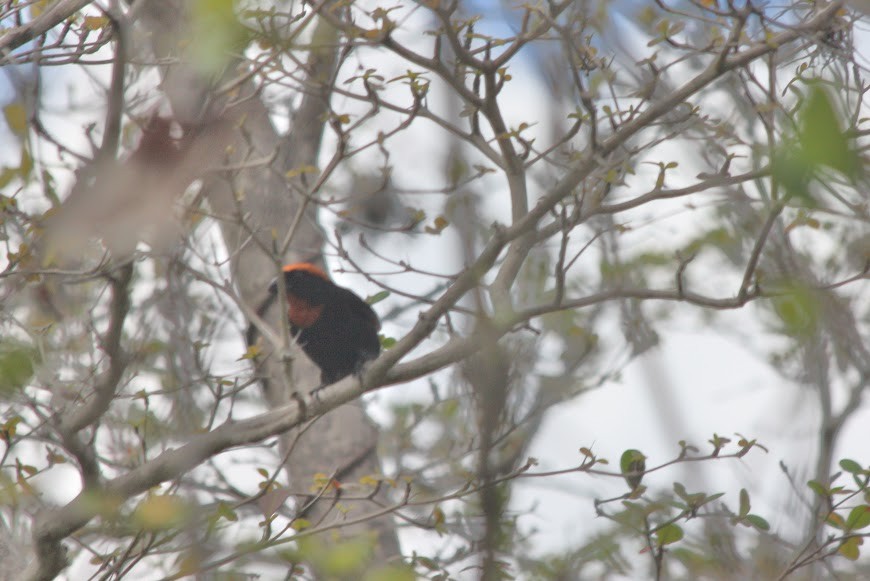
{"x":26,"y":165}
{"x":216,"y":35}
{"x":798,"y":309}
{"x":9,"y":428}
{"x":16,"y":118}
{"x":851,"y":466}
{"x":399,"y":572}
{"x":345,"y":559}
{"x":252,"y":352}
{"x":17,"y":364}
{"x":859,"y":517}
{"x":632,"y":464}
{"x":7,"y":174}
{"x":758,"y":522}
{"x":820,"y":141}
{"x":430,"y":564}
{"x":95,"y":22}
{"x":849,"y":548}
{"x":438,"y":225}
{"x":668,"y":534}
{"x":300,"y":524}
{"x":225,"y":511}
{"x":160,"y":513}
{"x":791,"y":168}
{"x":818,"y":488}
{"x":744,"y":503}
{"x":693,"y":500}
{"x":378,"y":297}
{"x":836,"y":521}
{"x":821,"y":137}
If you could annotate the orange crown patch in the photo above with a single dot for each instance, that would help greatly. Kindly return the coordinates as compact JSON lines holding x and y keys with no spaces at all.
{"x":307,"y":267}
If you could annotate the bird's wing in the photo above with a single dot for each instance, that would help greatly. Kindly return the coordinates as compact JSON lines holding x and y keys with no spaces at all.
{"x":359,"y":307}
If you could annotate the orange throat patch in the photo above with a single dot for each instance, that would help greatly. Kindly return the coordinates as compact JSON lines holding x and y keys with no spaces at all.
{"x":302,"y":313}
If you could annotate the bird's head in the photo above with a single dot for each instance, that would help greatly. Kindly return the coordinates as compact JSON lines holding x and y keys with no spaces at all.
{"x":308,"y":289}
{"x":301,"y":276}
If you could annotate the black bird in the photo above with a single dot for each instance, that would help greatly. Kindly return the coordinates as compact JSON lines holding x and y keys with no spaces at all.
{"x":336,"y":329}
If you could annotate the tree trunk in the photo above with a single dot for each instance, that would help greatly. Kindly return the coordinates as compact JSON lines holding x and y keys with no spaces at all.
{"x":258,"y":202}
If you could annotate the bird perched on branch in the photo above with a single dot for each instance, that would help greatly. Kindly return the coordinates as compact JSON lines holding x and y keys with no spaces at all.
{"x":336,"y":329}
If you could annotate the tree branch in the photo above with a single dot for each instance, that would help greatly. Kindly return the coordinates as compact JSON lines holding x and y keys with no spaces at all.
{"x":53,"y":15}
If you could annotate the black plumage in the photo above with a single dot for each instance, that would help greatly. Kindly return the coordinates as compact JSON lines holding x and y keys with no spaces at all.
{"x":336,"y":329}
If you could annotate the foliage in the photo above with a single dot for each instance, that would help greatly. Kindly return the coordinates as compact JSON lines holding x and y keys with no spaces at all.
{"x":534,"y":197}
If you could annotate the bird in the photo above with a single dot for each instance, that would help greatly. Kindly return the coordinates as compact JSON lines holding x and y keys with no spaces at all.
{"x":335,"y":328}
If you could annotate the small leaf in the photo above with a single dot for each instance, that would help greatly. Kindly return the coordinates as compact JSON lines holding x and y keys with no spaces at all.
{"x":758,"y":522}
{"x":28,"y":469}
{"x":851,"y":466}
{"x":6,"y":176}
{"x":718,"y":443}
{"x":416,"y":215}
{"x":859,"y":517}
{"x":836,"y":521}
{"x":95,"y":22}
{"x":378,"y":297}
{"x":55,"y":458}
{"x":251,"y":353}
{"x":818,"y":488}
{"x":398,"y":572}
{"x":345,"y":559}
{"x":300,"y":524}
{"x":798,"y":309}
{"x":217,"y":35}
{"x":225,"y":511}
{"x":369,"y":480}
{"x":668,"y":534}
{"x":439,"y":225}
{"x":632,"y":464}
{"x":821,"y":137}
{"x":16,"y":118}
{"x":38,"y":7}
{"x":849,"y":548}
{"x":17,"y":364}
{"x":430,"y":564}
{"x":26,"y":165}
{"x":791,"y":168}
{"x":160,"y":512}
{"x":744,"y":503}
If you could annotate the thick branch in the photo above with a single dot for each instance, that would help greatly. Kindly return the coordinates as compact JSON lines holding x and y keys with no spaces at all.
{"x":52,"y":526}
{"x":54,"y":14}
